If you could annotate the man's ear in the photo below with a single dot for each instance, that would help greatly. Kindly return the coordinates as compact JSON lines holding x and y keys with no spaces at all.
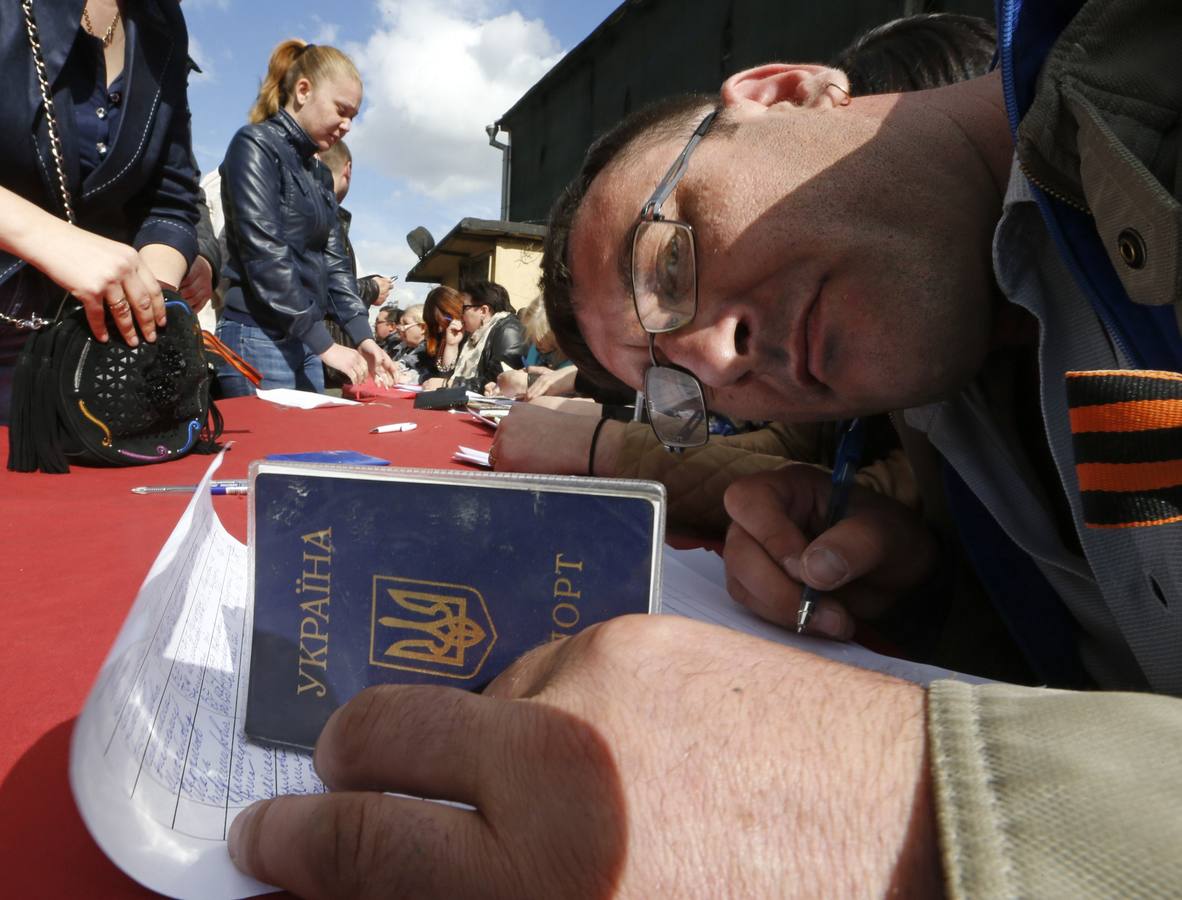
{"x":799,"y":84}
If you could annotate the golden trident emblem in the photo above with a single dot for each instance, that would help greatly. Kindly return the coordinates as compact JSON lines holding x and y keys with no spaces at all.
{"x":434,"y":630}
{"x":449,"y":631}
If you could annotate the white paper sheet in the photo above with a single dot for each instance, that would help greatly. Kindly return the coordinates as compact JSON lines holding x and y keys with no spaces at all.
{"x":693,"y":584}
{"x":158,"y":761}
{"x":303,"y":399}
{"x":159,"y":764}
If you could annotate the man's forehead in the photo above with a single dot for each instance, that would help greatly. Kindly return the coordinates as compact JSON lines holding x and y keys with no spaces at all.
{"x":602,"y":227}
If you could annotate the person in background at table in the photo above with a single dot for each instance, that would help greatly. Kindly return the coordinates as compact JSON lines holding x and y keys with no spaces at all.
{"x":385,"y":330}
{"x":443,"y":314}
{"x":120,"y":93}
{"x":283,"y":237}
{"x":547,"y":371}
{"x":373,"y":289}
{"x":495,"y":338}
{"x":412,"y":359}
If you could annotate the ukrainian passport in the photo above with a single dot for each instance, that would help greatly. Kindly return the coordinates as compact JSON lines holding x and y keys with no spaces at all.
{"x":365,"y":576}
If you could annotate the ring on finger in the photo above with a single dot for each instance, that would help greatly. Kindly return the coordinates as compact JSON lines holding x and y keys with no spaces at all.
{"x":119,"y":304}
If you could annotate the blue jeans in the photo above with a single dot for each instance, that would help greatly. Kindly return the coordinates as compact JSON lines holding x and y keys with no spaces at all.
{"x":284,"y":362}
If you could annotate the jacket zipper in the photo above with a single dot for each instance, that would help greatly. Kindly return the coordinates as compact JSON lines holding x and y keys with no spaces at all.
{"x":1007,"y":21}
{"x":1062,"y":198}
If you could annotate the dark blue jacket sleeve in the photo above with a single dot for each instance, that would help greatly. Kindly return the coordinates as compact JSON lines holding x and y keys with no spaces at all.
{"x":170,"y":200}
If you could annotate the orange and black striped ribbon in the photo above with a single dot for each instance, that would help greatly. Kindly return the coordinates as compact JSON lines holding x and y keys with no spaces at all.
{"x":1127,"y":431}
{"x":214,"y":344}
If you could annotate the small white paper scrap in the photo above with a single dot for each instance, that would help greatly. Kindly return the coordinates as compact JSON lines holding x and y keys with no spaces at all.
{"x":303,"y":399}
{"x":396,"y":426}
{"x":476,"y":457}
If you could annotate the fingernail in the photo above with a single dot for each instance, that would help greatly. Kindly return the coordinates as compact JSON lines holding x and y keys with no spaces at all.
{"x":830,"y":622}
{"x":133,"y":341}
{"x":234,"y":838}
{"x":825,"y":569}
{"x":791,"y":565}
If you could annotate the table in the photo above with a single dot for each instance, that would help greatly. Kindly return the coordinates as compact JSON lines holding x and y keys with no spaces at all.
{"x":76,"y":548}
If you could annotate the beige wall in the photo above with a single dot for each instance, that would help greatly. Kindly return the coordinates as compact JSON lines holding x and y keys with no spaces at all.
{"x":517,"y":265}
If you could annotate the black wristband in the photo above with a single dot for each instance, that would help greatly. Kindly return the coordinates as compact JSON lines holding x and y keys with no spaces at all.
{"x":594,"y":441}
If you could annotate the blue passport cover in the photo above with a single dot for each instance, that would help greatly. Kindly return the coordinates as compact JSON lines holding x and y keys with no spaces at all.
{"x":428,"y":577}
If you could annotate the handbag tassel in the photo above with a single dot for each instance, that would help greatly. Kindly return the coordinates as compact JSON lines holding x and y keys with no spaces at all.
{"x":22,"y":452}
{"x":46,"y":431}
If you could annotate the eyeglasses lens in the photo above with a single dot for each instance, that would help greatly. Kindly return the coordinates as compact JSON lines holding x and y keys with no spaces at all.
{"x":664,"y":279}
{"x":676,"y":407}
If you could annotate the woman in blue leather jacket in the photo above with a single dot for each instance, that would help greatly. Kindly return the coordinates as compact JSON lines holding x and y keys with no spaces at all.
{"x":116,"y":75}
{"x":287,"y":265}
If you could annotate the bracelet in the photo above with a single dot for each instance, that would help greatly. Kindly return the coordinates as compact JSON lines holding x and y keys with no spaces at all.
{"x":594,"y":441}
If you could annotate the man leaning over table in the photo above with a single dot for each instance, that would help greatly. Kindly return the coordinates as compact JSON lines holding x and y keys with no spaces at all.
{"x":653,"y":756}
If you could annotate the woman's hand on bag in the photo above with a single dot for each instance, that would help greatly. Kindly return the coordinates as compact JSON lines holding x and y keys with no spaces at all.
{"x":347,"y":361}
{"x":105,"y":274}
{"x":383,"y":369}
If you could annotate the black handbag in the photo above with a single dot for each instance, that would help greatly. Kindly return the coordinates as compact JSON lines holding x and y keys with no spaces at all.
{"x":77,"y":399}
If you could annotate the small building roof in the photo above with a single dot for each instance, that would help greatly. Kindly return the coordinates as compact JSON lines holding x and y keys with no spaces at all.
{"x":470,"y":237}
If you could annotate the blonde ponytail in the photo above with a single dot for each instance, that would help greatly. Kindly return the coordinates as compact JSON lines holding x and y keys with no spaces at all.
{"x":290,"y":61}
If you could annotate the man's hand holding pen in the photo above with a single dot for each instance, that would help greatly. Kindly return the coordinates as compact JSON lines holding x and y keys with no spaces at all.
{"x":779,"y":541}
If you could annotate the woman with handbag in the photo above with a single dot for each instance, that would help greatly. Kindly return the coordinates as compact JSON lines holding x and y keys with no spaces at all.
{"x":97,"y":187}
{"x":287,"y":264}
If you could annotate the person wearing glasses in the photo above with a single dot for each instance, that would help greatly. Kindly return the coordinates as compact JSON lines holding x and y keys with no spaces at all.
{"x":804,"y":261}
{"x":412,"y":358}
{"x":912,"y":53}
{"x":443,"y":313}
{"x":494,"y":337}
{"x":385,"y":330}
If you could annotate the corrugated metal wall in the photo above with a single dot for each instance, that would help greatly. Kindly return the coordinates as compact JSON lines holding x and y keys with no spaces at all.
{"x":652,"y":48}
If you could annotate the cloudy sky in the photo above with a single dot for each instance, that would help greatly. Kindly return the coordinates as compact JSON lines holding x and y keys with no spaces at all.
{"x":436,"y":72}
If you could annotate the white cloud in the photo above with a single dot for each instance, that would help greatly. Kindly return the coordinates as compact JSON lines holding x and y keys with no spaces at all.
{"x":436,"y":73}
{"x":324,"y":32}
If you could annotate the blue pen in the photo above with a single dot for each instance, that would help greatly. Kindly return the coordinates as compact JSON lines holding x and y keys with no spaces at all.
{"x":845,"y":466}
{"x":215,"y":487}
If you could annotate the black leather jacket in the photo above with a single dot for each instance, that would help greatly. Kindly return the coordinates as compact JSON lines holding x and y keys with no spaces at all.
{"x":286,"y":260}
{"x":506,"y":343}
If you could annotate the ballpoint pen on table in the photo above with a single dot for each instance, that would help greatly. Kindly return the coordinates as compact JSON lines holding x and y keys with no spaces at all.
{"x":845,"y":466}
{"x":215,"y":487}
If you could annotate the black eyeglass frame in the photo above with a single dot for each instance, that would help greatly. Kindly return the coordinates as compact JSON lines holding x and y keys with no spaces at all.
{"x":651,"y":212}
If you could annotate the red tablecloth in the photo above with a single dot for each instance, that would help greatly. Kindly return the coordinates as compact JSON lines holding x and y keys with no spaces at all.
{"x":75,"y":550}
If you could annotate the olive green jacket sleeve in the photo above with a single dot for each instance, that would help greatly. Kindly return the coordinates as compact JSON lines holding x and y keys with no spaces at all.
{"x":696,"y":480}
{"x":1045,"y":793}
